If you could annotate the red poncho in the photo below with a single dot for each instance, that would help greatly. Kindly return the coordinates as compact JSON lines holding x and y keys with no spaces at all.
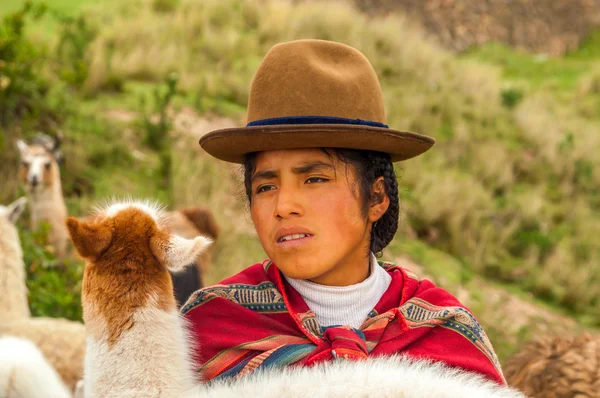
{"x":255,"y":320}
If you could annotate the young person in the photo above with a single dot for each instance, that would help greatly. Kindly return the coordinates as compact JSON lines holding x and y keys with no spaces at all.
{"x":319,"y":177}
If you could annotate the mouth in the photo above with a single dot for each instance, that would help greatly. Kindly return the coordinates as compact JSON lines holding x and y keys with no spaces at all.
{"x":294,"y":240}
{"x":287,"y":238}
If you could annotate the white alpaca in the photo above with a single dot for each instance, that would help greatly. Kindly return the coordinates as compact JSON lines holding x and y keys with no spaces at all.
{"x":138,"y":344}
{"x":40,"y":173}
{"x":25,"y":373}
{"x":61,"y":341}
{"x":395,"y":376}
{"x":13,"y":299}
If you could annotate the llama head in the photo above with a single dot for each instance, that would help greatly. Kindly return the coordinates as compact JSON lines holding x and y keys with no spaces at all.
{"x":40,"y":160}
{"x":132,"y":234}
{"x":13,"y":210}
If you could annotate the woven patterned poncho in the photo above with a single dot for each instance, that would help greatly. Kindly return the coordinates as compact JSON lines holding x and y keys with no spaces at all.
{"x":255,"y":320}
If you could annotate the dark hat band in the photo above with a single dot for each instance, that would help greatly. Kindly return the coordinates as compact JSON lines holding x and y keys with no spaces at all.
{"x":314,"y":120}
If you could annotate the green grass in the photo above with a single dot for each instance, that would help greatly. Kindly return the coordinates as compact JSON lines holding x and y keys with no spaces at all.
{"x":448,"y":269}
{"x":54,"y":286}
{"x":45,"y":30}
{"x":69,"y":7}
{"x":504,"y":310}
{"x":538,"y":70}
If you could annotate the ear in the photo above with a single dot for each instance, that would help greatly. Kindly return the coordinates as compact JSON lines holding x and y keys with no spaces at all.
{"x":15,"y":209}
{"x":22,"y":146}
{"x":58,"y":156}
{"x":380,"y":201}
{"x":204,"y":221}
{"x":56,"y":151}
{"x":175,"y":252}
{"x":90,"y":240}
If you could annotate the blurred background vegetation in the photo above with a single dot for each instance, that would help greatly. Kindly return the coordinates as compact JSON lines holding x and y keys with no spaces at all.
{"x":504,"y":211}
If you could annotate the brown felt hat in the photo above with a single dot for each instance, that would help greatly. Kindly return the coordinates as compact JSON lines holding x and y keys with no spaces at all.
{"x":314,"y":93}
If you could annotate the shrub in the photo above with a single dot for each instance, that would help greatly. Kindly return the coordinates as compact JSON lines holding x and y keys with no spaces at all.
{"x":54,"y":288}
{"x":511,"y":97}
{"x":22,"y":88}
{"x":75,"y":36}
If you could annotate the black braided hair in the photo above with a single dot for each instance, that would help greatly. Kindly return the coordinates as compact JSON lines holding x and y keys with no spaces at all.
{"x":368,"y":165}
{"x":385,"y":228}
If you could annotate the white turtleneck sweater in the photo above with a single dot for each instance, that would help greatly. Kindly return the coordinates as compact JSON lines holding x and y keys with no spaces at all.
{"x":344,"y":305}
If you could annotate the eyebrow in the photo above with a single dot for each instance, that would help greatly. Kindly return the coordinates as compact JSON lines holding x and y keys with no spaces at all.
{"x":304,"y":169}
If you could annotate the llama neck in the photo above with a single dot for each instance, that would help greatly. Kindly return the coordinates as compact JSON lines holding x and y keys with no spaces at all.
{"x":47,"y":205}
{"x":13,"y":299}
{"x":150,"y":357}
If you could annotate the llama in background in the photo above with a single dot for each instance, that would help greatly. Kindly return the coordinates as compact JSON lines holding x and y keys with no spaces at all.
{"x":40,"y":173}
{"x":557,"y":367}
{"x":60,"y":342}
{"x":25,"y":373}
{"x":138,"y":344}
{"x":13,"y":299}
{"x":189,"y":223}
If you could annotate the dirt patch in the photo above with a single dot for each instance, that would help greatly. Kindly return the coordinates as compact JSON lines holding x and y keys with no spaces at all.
{"x":189,"y":127}
{"x":188,"y":122}
{"x":121,"y":115}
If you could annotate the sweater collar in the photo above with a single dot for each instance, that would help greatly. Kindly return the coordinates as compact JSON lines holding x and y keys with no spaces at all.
{"x":344,"y":305}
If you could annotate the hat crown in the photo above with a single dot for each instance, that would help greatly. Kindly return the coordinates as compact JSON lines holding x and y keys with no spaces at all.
{"x":315,"y":78}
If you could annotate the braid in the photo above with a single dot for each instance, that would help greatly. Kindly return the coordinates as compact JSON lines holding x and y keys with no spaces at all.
{"x":385,"y":228}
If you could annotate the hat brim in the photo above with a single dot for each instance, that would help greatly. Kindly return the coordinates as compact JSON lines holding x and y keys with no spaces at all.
{"x":231,"y":145}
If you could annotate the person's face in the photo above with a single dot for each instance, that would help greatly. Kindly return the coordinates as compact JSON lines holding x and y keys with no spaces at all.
{"x":306,"y":211}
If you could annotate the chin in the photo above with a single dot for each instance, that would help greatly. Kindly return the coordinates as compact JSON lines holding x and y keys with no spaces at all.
{"x":292,"y":269}
{"x":299,"y":275}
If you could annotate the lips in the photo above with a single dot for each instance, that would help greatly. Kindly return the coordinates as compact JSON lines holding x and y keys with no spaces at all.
{"x":291,"y":234}
{"x":292,"y":237}
{"x":294,"y":243}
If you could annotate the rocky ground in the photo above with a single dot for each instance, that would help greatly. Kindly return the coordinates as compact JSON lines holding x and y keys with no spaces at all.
{"x":553,"y":27}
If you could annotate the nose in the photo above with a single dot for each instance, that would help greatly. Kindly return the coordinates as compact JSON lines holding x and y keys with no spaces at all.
{"x":288,"y":203}
{"x":34,"y":181}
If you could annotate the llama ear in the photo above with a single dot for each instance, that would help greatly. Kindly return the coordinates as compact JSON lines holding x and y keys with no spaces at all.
{"x":204,"y":221}
{"x":177,"y":253}
{"x":22,"y":146}
{"x":56,"y":151}
{"x":15,"y":209}
{"x":90,"y":240}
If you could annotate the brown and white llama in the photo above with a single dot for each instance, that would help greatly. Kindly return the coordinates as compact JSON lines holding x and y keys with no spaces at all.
{"x":138,"y":345}
{"x":40,"y":173}
{"x":188,"y":223}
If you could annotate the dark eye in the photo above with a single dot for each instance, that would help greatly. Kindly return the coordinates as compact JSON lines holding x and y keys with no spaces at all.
{"x":265,"y":188}
{"x":47,"y":166}
{"x":25,"y":164}
{"x":313,"y":180}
